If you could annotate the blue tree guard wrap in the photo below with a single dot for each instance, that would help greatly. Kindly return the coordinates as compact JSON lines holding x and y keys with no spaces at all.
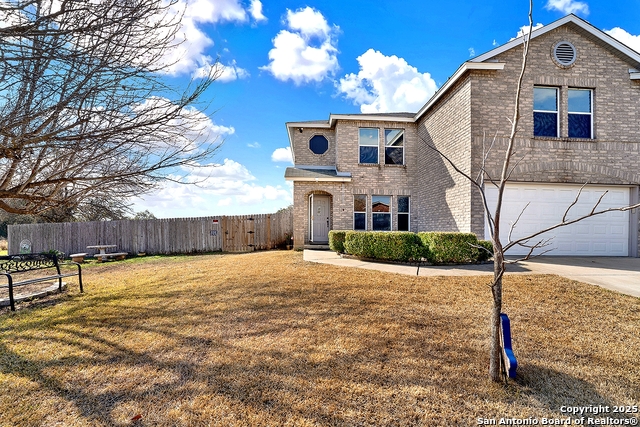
{"x":510,"y":362}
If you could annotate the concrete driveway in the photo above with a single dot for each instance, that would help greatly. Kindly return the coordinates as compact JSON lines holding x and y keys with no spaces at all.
{"x":620,"y":274}
{"x":615,"y":273}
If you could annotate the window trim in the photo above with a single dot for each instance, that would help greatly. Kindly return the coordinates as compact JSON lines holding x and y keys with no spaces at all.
{"x":309,"y":144}
{"x":590,"y":114}
{"x":391,"y":146}
{"x":377,"y":145}
{"x":408,"y":213}
{"x":557,"y":111}
{"x":390,"y":213}
{"x":353,"y":227}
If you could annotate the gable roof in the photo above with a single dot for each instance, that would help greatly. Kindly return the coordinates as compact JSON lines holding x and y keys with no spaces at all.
{"x":632,"y":55}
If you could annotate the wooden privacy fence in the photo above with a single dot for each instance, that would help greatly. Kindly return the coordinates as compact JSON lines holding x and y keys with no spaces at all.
{"x":242,"y":233}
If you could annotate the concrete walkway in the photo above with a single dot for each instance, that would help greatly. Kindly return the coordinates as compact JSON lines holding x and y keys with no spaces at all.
{"x":618,"y":274}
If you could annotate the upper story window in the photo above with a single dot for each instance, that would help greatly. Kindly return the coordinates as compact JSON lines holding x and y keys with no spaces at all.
{"x":368,"y":145}
{"x":318,"y":144}
{"x":545,"y":111}
{"x":580,"y":113}
{"x":394,"y":146}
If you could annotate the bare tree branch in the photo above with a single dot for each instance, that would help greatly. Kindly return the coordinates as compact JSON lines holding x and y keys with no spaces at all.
{"x":513,"y":226}
{"x":85,"y":111}
{"x":575,"y":201}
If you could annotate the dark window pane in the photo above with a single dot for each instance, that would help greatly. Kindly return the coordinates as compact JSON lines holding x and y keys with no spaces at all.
{"x":403,"y":222}
{"x":359,"y":221}
{"x":381,"y":222}
{"x":545,"y":98}
{"x":579,"y":126}
{"x":579,"y":101}
{"x":319,"y":144}
{"x":545,"y":124}
{"x":381,"y":203}
{"x":368,"y":154}
{"x":393,"y":156}
{"x":359,"y":203}
{"x":403,"y":204}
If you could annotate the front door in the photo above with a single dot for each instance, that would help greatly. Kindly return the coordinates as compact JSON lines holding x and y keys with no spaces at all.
{"x":319,"y":218}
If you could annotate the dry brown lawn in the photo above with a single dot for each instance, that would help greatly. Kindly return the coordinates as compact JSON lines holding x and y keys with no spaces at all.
{"x":266,"y":339}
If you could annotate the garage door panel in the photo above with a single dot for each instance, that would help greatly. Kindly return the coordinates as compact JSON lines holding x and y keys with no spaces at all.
{"x":583,"y":229}
{"x":619,"y":248}
{"x":604,"y":235}
{"x":619,"y":197}
{"x":617,"y":230}
{"x":600,"y":246}
{"x":585,"y":247}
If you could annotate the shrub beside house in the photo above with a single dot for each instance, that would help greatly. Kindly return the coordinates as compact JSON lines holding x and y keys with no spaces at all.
{"x":404,"y":246}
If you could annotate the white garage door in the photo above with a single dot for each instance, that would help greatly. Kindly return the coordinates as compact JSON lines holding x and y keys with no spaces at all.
{"x":601,"y":235}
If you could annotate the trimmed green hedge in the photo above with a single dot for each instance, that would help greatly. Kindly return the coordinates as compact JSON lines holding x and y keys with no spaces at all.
{"x":483,"y":255}
{"x":434,"y":247}
{"x":450,"y":248}
{"x":336,"y":240}
{"x":384,"y":245}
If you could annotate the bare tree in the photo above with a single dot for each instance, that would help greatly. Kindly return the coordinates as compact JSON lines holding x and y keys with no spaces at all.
{"x":532,"y":241}
{"x":85,"y":110}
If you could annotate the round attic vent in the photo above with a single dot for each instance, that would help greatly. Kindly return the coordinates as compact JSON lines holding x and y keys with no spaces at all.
{"x":564,"y":53}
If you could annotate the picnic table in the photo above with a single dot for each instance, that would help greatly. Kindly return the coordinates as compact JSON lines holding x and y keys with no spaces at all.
{"x":103,"y":255}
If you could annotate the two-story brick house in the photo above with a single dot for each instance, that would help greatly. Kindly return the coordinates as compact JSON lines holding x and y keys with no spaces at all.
{"x":580,"y":124}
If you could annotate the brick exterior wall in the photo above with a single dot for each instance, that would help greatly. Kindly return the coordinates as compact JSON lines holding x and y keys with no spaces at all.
{"x":462,"y":124}
{"x":446,"y":193}
{"x":304,"y":155}
{"x":612,"y":157}
{"x":378,"y":180}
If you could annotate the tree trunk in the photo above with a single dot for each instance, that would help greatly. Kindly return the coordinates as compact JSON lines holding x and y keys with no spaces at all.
{"x":496,"y":289}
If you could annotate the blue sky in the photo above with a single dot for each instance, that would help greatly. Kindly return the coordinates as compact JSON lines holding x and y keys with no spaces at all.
{"x":295,"y":61}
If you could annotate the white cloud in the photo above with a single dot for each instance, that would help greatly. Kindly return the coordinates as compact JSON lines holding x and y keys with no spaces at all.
{"x":624,"y":37}
{"x":472,"y":52}
{"x":207,"y":188}
{"x":215,"y":175}
{"x":255,"y":9}
{"x":254,"y":145}
{"x":191,"y":41}
{"x":568,"y":6}
{"x":224,"y":73}
{"x":525,"y":30}
{"x":306,"y":51}
{"x":282,"y":155}
{"x":387,"y":84}
{"x":308,"y":22}
{"x":216,"y":10}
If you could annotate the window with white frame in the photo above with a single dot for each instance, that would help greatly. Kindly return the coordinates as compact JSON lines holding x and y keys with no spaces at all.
{"x":403,"y":213}
{"x":359,"y":211}
{"x":394,"y":146}
{"x":381,"y":212}
{"x":580,"y":113}
{"x":545,"y":111}
{"x":368,"y":145}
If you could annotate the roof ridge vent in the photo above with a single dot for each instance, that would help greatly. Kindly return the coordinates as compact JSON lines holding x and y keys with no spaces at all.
{"x":564,"y":53}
